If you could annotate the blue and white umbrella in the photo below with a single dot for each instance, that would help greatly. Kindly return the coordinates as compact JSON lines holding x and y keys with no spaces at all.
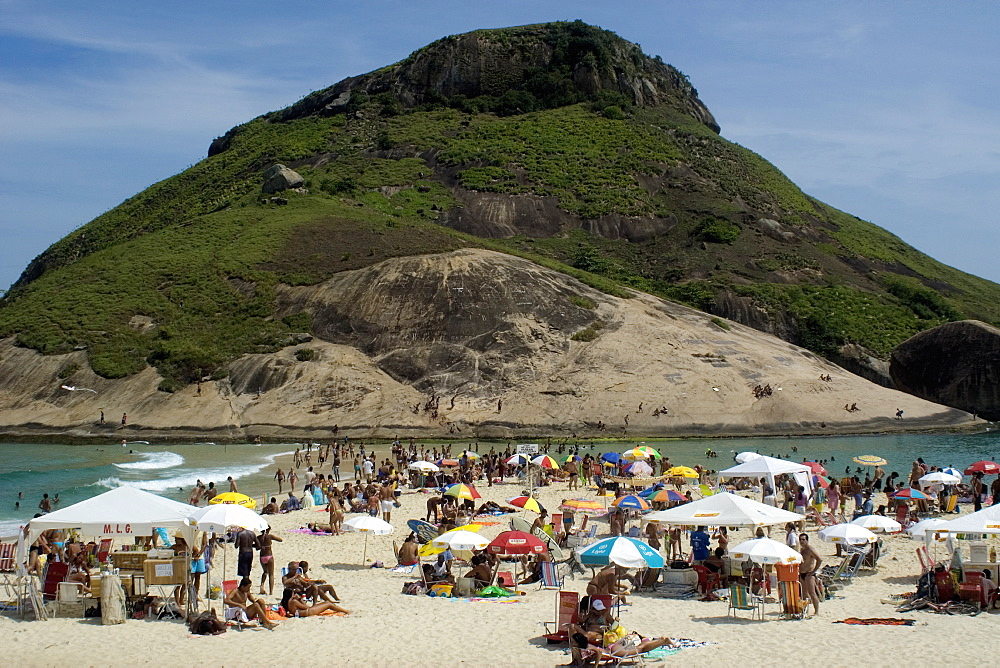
{"x":625,"y":552}
{"x":952,"y":471}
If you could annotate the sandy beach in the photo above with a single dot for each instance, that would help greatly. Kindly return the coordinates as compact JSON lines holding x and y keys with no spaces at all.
{"x":388,"y":628}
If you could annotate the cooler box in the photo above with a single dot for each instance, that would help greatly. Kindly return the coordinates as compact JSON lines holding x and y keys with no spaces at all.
{"x":128,"y":561}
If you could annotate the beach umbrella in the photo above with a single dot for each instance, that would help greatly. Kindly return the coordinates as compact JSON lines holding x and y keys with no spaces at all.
{"x":622,"y":551}
{"x":745,"y":457}
{"x":456,"y":540}
{"x":987,"y":467}
{"x":816,"y":467}
{"x":516,"y":543}
{"x":219,"y":518}
{"x":940,"y":477}
{"x":663,"y":496}
{"x":641,"y":452}
{"x":631,"y":501}
{"x":367,"y":524}
{"x":526,"y":502}
{"x":424,"y":467}
{"x":639,"y":468}
{"x":920,"y":530}
{"x":471,"y":455}
{"x":571,"y":458}
{"x":851,"y":534}
{"x":765,"y":551}
{"x":908,"y":493}
{"x":517,"y":460}
{"x":585,"y":506}
{"x":234,"y":498}
{"x":611,"y":457}
{"x":952,"y":471}
{"x":545,"y":462}
{"x":681,"y":472}
{"x":878,"y":523}
{"x":870,"y":460}
{"x":447,"y":462}
{"x":462,"y":491}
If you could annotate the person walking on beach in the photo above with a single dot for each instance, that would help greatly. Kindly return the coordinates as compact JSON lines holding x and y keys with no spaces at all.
{"x":245,"y":542}
{"x":280,"y":477}
{"x":811,"y":563}
{"x":267,"y":559}
{"x":336,"y":465}
{"x":292,"y":477}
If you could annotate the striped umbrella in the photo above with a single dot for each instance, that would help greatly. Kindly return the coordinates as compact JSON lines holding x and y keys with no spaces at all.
{"x":472,"y":455}
{"x":641,"y":452}
{"x":662,"y":495}
{"x":526,"y":502}
{"x":625,"y":552}
{"x":461,"y":491}
{"x":639,"y":468}
{"x":447,"y":462}
{"x":545,"y":462}
{"x":586,"y":506}
{"x":517,"y":460}
{"x":631,"y":501}
{"x":908,"y":493}
{"x":571,"y":458}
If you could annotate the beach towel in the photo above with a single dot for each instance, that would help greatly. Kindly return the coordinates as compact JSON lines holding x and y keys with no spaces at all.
{"x":877,"y":621}
{"x":403,"y":569}
{"x":310,"y":533}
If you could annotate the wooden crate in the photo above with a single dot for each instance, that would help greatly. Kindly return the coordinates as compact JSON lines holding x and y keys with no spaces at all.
{"x":128,"y":561}
{"x":165,"y":571}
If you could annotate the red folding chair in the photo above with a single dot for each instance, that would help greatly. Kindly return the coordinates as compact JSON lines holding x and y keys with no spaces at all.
{"x":707,"y":580}
{"x":972,"y":588}
{"x":55,"y":573}
{"x":567,"y":612}
{"x":945,"y":586}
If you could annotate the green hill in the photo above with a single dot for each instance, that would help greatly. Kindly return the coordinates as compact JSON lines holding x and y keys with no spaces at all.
{"x":561,"y":143}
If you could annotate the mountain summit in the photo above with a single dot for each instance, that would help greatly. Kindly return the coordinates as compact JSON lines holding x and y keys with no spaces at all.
{"x":560,"y":143}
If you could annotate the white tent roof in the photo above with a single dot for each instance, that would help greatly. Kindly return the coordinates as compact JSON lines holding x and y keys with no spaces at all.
{"x":123,"y":512}
{"x":724,"y":509}
{"x":986,"y":520}
{"x":762,"y":467}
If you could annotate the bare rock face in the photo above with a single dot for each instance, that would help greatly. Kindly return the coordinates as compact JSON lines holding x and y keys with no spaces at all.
{"x":279,"y":177}
{"x":444,"y":323}
{"x":956,"y":364}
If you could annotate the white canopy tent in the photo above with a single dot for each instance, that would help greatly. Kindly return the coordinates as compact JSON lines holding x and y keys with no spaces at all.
{"x":123,"y":512}
{"x":768,"y":468}
{"x":724,"y":509}
{"x":986,"y":520}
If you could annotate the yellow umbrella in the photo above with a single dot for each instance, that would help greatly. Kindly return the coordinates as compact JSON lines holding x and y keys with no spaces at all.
{"x":235,"y":497}
{"x":682,"y":472}
{"x":431,"y":549}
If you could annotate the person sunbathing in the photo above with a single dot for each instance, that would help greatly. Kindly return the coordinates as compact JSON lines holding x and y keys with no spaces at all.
{"x":296,"y":606}
{"x":317,"y":588}
{"x":241,"y":604}
{"x":408,"y":551}
{"x":586,"y":650}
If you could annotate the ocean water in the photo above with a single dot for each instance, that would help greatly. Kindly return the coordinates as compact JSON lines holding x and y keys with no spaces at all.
{"x":78,"y":472}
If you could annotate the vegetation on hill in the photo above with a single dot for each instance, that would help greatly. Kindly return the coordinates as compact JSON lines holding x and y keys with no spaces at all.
{"x":199,"y":254}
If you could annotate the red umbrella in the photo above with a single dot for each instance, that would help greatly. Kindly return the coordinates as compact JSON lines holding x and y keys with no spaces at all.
{"x":816,"y":467}
{"x":511,"y":543}
{"x":909,"y":493}
{"x":989,"y":468}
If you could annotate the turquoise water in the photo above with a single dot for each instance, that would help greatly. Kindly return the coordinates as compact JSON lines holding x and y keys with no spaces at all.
{"x":77,"y":472}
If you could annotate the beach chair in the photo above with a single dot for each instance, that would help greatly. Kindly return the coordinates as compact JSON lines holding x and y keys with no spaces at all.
{"x":550,"y":576}
{"x":706,"y":490}
{"x":55,"y":572}
{"x":792,"y":605}
{"x":707,"y":580}
{"x":856,"y":558}
{"x":902,"y":513}
{"x":8,"y":575}
{"x":740,"y":598}
{"x":830,"y":576}
{"x":506,"y":580}
{"x":945,"y":586}
{"x":103,"y":550}
{"x":567,"y":612}
{"x":972,"y":588}
{"x":952,"y":506}
{"x":68,"y":595}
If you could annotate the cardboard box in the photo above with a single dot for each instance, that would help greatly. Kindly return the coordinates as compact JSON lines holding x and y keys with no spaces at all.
{"x":165,"y":571}
{"x":128,"y":561}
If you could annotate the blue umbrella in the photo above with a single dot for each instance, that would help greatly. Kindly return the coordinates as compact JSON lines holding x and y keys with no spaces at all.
{"x":611,"y":457}
{"x":625,"y":552}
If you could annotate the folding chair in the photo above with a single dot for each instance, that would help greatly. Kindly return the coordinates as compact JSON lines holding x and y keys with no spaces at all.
{"x":68,"y":594}
{"x":792,"y":605}
{"x":55,"y":572}
{"x":972,"y":588}
{"x":945,"y":585}
{"x":550,"y":576}
{"x":707,"y":580}
{"x":103,"y":550}
{"x":926,"y":563}
{"x":567,"y":612}
{"x":505,"y":579}
{"x":740,"y":598}
{"x":8,"y":577}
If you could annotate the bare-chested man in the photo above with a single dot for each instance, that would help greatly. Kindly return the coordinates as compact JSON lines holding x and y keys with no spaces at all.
{"x":387,"y":500}
{"x":240,"y":600}
{"x":811,"y":563}
{"x":433,"y":504}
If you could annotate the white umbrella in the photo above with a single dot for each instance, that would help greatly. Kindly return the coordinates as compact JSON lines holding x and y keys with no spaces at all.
{"x":367,"y":524}
{"x":878,"y":523}
{"x":639,"y":469}
{"x":850,"y":534}
{"x":424,"y":467}
{"x":220,"y":517}
{"x":920,"y":530}
{"x":765,"y":551}
{"x":460,"y":540}
{"x":940,"y":477}
{"x":954,"y":472}
{"x":745,"y":457}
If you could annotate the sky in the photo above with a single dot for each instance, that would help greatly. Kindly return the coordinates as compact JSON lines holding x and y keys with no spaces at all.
{"x":887,"y":110}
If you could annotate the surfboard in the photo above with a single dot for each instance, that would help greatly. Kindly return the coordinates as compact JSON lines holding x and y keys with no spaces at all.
{"x":426,"y":532}
{"x":521,"y":524}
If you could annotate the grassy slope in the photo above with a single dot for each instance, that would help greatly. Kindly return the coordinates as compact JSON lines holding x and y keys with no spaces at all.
{"x":169,"y":252}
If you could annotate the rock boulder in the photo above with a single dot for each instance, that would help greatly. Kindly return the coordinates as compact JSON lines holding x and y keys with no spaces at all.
{"x":279,"y":177}
{"x":956,"y":364}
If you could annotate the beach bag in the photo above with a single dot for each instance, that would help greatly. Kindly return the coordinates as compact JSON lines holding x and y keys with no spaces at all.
{"x":614,"y":634}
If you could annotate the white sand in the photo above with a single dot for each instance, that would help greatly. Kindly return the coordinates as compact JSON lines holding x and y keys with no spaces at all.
{"x":388,"y":628}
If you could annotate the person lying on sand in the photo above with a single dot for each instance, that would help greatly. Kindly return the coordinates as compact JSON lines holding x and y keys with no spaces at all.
{"x":296,"y":606}
{"x":586,"y":651}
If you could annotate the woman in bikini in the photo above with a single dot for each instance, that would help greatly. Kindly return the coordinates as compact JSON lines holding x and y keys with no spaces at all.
{"x":267,"y":559}
{"x":296,"y":606}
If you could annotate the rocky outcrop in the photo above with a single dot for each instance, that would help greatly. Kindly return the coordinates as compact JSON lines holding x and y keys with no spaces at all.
{"x":956,"y":364}
{"x":493,"y":62}
{"x":279,"y":177}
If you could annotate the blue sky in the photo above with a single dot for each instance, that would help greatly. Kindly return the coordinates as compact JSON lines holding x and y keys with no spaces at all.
{"x":887,"y":110}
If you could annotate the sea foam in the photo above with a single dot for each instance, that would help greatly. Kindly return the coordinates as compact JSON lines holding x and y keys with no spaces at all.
{"x":153,"y":460}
